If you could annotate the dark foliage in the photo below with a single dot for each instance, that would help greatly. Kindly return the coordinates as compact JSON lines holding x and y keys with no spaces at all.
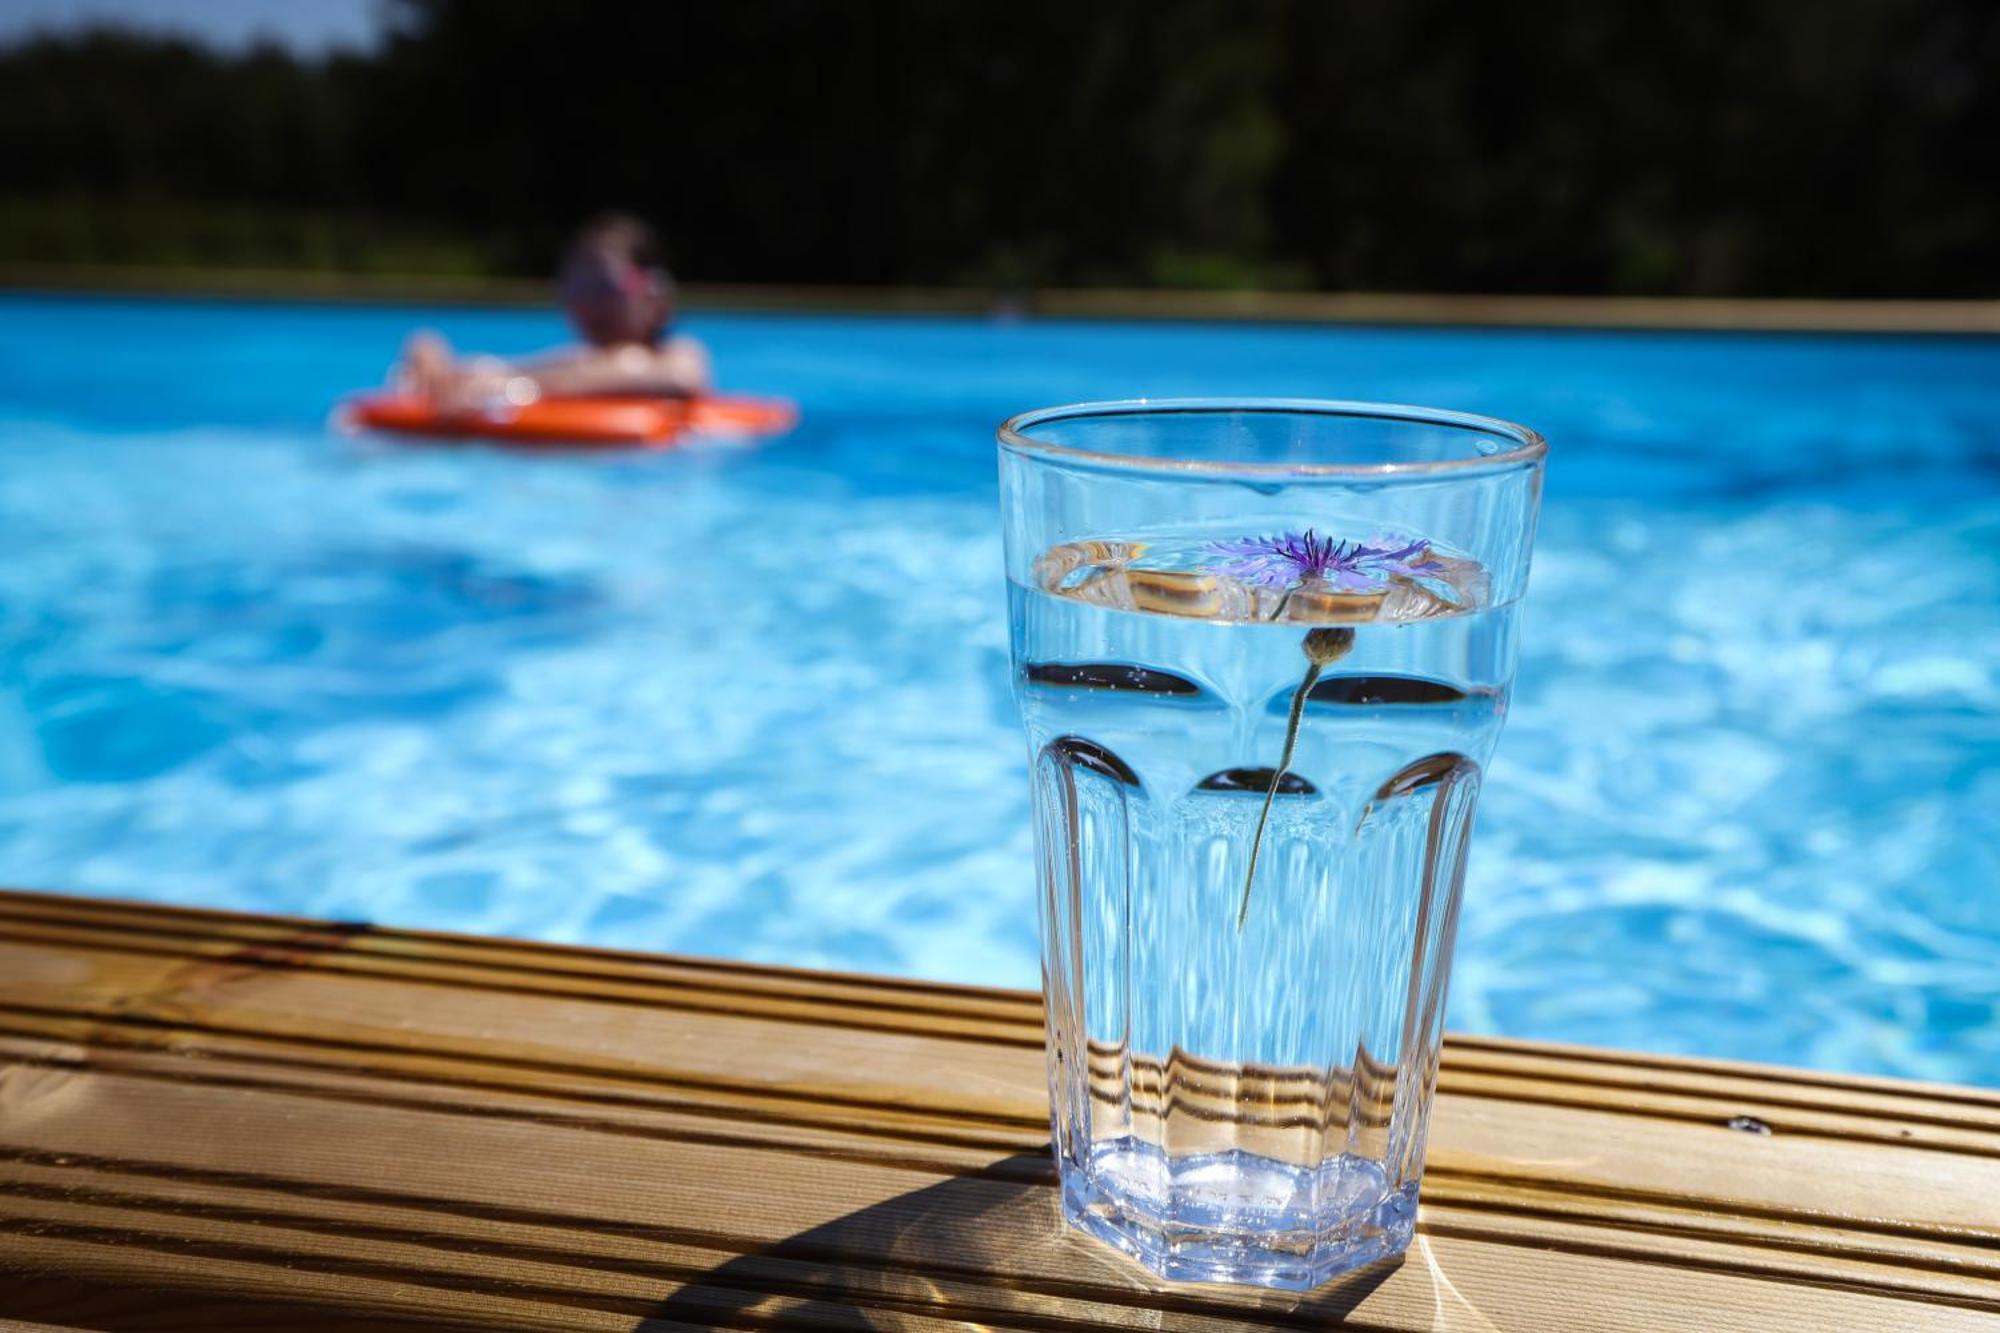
{"x":1764,"y":147}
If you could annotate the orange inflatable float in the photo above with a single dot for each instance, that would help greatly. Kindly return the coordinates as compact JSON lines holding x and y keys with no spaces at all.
{"x":554,"y":423}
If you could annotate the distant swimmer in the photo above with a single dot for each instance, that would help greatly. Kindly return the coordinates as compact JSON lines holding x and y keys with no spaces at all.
{"x":615,"y":287}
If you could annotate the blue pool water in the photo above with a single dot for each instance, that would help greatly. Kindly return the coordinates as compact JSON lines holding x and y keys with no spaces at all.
{"x":753,"y":702}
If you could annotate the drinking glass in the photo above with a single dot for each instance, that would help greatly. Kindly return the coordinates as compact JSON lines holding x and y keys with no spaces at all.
{"x":1262,"y":650}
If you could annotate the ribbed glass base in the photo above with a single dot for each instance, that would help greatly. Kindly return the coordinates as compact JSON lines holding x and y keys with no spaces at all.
{"x":1237,"y":1217}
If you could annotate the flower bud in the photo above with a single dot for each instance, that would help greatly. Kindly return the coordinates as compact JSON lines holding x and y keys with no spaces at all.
{"x":1327,"y":645}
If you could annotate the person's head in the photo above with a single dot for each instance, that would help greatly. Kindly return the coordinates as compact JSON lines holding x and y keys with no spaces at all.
{"x":614,"y":282}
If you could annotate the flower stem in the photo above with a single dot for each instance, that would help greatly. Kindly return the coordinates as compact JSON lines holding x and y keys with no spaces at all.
{"x":1322,"y":648}
{"x":1277,"y":776}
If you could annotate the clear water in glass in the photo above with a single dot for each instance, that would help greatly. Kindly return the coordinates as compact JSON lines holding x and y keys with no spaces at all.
{"x":1248,"y":1102}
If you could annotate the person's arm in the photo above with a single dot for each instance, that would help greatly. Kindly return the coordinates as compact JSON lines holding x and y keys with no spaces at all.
{"x":687,"y":363}
{"x":680,"y":369}
{"x":428,"y":369}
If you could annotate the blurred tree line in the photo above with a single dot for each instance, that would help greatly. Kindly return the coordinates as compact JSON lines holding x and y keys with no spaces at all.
{"x":1754,"y":147}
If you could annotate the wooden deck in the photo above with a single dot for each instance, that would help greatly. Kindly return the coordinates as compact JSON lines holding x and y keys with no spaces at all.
{"x":230,"y":1122}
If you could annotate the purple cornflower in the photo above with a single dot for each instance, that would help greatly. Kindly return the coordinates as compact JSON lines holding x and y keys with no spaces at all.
{"x":1292,"y":558}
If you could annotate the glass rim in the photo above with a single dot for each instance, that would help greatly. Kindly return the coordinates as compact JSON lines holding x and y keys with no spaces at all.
{"x":1528,"y":445}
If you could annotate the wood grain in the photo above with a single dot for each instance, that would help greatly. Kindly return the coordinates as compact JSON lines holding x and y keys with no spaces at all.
{"x":222,"y":1121}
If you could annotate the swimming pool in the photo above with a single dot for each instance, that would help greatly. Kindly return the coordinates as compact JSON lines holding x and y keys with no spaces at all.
{"x":754,"y":703}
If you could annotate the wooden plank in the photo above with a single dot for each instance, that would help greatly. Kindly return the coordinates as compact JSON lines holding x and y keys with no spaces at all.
{"x":249,"y":1121}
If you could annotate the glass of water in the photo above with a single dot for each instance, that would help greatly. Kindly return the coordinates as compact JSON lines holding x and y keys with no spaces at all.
{"x":1262,"y":650}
